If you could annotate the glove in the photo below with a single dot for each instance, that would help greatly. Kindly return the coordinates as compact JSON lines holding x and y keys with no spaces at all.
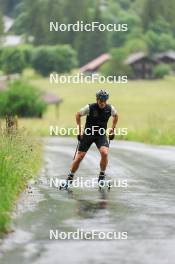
{"x":111,"y":137}
{"x":111,"y":134}
{"x":79,"y":137}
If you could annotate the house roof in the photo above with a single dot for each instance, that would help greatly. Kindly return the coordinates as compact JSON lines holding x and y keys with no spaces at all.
{"x":168,"y":54}
{"x":8,"y":23}
{"x":51,"y":98}
{"x":135,"y":57}
{"x":94,"y":64}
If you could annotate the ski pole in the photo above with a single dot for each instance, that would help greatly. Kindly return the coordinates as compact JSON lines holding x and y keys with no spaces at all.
{"x":76,"y":149}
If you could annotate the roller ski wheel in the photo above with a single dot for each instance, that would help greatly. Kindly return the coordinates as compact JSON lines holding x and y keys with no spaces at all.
{"x":109,"y":186}
{"x":104,"y":182}
{"x":65,"y":185}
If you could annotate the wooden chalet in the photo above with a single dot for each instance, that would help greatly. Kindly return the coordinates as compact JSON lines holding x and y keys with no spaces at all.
{"x":141,"y":64}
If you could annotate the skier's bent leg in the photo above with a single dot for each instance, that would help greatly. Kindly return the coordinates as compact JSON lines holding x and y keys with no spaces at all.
{"x":104,"y":158}
{"x":76,"y":162}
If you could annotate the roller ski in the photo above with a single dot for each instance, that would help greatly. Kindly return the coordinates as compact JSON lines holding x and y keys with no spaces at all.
{"x":66,"y":185}
{"x":103,"y":182}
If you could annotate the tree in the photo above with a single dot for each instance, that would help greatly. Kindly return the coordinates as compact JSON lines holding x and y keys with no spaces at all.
{"x":74,"y":11}
{"x":83,"y":47}
{"x":1,"y":24}
{"x":12,"y":60}
{"x":167,"y":42}
{"x":158,"y":43}
{"x":149,"y":12}
{"x":116,"y":66}
{"x":35,"y":20}
{"x":35,"y":17}
{"x":125,"y":4}
{"x":53,"y":13}
{"x":134,"y":45}
{"x":21,"y":99}
{"x":153,"y":9}
{"x":160,"y":25}
{"x":82,"y":43}
{"x":8,"y":5}
{"x":47,"y":59}
{"x":97,"y":40}
{"x":118,"y":39}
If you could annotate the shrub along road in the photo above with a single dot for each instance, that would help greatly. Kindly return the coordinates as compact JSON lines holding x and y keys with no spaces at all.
{"x":20,"y":160}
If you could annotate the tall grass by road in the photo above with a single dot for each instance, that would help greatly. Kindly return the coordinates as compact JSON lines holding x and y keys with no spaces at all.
{"x":20,"y":160}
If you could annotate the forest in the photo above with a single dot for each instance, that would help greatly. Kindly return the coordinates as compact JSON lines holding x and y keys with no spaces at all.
{"x":151,"y":24}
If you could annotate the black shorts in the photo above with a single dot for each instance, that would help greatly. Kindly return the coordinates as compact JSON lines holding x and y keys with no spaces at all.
{"x":86,"y":142}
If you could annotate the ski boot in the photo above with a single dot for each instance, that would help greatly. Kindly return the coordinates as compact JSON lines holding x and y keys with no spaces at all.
{"x":101,"y":180}
{"x":65,"y":185}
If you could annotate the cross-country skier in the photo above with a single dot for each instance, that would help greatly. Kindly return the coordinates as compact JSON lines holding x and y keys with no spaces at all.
{"x":97,"y":116}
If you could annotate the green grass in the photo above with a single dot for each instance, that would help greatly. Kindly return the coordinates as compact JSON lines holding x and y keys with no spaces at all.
{"x":20,"y":160}
{"x":146,"y":108}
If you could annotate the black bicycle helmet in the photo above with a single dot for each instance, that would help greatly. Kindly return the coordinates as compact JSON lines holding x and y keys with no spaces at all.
{"x":102,"y":95}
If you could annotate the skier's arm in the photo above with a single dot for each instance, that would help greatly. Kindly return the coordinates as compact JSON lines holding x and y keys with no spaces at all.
{"x":83,"y":112}
{"x":114,"y":121}
{"x":78,"y":121}
{"x":114,"y":115}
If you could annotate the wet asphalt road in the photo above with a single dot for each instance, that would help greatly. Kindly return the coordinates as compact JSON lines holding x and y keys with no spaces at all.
{"x":145,"y":209}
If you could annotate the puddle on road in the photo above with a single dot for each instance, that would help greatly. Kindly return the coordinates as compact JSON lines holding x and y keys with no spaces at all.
{"x":144,"y":210}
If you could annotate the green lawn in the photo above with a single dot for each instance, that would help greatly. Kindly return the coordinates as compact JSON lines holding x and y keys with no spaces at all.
{"x":146,"y":108}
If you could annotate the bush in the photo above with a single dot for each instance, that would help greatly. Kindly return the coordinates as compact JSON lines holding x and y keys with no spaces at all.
{"x":135,"y":45}
{"x":65,"y":58}
{"x":161,"y":70}
{"x":27,"y":51}
{"x":47,"y":59}
{"x":43,"y":60}
{"x":116,"y":66}
{"x":167,"y":42}
{"x":12,"y":60}
{"x":21,"y":99}
{"x":1,"y":51}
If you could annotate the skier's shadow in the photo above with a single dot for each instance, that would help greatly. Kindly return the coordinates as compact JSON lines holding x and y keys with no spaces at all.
{"x":88,"y":208}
